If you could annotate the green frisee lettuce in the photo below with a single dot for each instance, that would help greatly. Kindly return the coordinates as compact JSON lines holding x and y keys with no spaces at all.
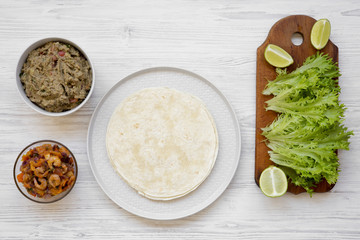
{"x":308,"y":131}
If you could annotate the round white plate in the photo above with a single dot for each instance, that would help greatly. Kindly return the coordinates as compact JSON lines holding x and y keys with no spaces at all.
{"x":225,"y":166}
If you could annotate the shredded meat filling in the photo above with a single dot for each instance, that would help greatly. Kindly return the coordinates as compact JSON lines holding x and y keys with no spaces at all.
{"x":56,"y":77}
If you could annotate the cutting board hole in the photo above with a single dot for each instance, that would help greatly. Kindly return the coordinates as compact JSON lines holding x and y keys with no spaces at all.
{"x":297,"y":39}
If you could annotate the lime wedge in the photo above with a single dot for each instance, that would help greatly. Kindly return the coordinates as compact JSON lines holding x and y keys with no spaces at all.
{"x":277,"y":56}
{"x":273,"y":182}
{"x":320,"y":33}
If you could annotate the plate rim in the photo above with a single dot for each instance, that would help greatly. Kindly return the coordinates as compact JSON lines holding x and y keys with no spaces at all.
{"x":209,"y":200}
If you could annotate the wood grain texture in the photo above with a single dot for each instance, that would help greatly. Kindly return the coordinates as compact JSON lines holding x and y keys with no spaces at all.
{"x":281,"y":34}
{"x":216,"y":39}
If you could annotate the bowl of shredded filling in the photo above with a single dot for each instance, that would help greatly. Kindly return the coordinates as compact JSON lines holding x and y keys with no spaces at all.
{"x":45,"y":171}
{"x":55,"y":77}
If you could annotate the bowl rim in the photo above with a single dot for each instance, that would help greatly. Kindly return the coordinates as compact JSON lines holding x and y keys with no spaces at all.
{"x":22,"y":59}
{"x":18,"y":158}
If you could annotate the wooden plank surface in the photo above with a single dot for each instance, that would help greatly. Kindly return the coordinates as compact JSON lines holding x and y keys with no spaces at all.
{"x":281,"y":35}
{"x":216,"y":39}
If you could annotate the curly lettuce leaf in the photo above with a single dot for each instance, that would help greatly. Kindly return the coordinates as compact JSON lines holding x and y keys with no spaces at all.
{"x":308,"y":131}
{"x":318,"y":64}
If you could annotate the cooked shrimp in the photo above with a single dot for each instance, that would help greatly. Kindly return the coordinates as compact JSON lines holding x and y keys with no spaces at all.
{"x":71,"y":180}
{"x":42,"y":185}
{"x":43,"y":148}
{"x":26,"y":177}
{"x":63,"y":182}
{"x":34,"y":165}
{"x":64,"y":168}
{"x":54,"y":160}
{"x":54,"y":180}
{"x":69,"y":174}
{"x":40,"y":172}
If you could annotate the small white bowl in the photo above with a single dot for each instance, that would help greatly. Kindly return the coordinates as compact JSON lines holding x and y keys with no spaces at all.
{"x":20,"y":87}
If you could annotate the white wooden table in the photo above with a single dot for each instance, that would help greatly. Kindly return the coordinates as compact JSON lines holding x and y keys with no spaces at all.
{"x":216,"y":39}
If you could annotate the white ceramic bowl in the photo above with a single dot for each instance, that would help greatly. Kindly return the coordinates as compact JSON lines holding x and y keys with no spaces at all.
{"x":21,"y":62}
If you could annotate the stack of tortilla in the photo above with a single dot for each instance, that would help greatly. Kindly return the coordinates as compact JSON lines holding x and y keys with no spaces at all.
{"x":162,"y":142}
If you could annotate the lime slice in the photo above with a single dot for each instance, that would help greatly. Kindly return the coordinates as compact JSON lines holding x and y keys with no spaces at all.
{"x":273,"y":182}
{"x":320,"y":33}
{"x":277,"y":56}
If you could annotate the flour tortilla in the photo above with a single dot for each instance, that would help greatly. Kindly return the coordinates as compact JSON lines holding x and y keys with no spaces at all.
{"x":162,"y":142}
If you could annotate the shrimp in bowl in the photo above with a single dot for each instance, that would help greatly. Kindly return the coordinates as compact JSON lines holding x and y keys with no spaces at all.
{"x":45,"y":171}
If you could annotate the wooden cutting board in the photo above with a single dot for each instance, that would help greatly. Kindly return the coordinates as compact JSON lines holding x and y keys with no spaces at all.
{"x":280,"y":34}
